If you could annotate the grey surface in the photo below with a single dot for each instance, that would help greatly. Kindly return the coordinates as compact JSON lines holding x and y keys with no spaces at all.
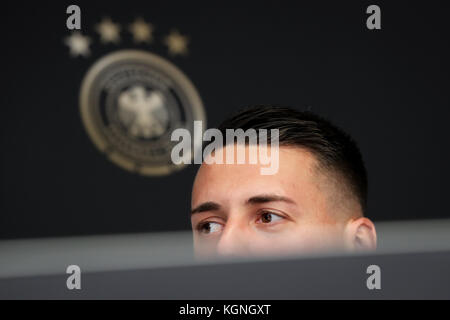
{"x":94,"y":253}
{"x":403,"y":276}
{"x":414,"y":258}
{"x":142,"y":251}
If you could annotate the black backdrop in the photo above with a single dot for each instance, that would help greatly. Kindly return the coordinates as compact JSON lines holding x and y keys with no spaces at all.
{"x":388,"y":88}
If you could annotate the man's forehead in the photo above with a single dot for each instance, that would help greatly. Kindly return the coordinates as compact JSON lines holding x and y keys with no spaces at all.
{"x":230,"y":152}
{"x":296,"y":168}
{"x":289,"y":157}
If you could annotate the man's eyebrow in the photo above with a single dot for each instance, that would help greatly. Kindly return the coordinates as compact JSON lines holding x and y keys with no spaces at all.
{"x":206,"y":206}
{"x":263,"y":198}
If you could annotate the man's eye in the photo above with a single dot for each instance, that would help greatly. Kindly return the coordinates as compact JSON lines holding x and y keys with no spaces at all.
{"x":269,"y":217}
{"x":210,"y":227}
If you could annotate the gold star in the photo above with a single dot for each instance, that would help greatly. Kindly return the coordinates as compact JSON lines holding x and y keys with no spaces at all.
{"x":78,"y":44}
{"x":177,"y":43}
{"x":109,"y":31}
{"x":142,"y":31}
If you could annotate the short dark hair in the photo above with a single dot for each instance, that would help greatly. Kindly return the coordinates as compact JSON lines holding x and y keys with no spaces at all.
{"x":333,"y":148}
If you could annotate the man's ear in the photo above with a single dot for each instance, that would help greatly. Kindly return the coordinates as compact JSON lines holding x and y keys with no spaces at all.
{"x":360,"y":234}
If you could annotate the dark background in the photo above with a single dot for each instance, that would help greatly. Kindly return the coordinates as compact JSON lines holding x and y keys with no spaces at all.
{"x":388,"y":88}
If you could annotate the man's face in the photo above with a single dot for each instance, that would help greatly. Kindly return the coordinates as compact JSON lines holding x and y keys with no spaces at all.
{"x":238,"y":211}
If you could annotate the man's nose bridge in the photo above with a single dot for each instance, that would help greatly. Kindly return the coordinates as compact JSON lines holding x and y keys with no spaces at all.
{"x":232,"y":239}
